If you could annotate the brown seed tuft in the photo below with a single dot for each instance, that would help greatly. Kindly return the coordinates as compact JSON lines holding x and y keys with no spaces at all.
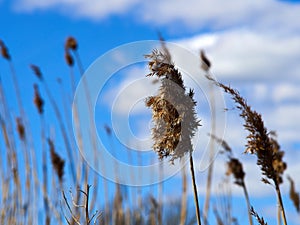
{"x":20,"y":128}
{"x":57,"y":162}
{"x":69,"y":59}
{"x":38,"y":101}
{"x":235,"y":167}
{"x":294,"y":196}
{"x":205,"y":63}
{"x":173,"y":111}
{"x":4,"y":51}
{"x":36,"y":70}
{"x":71,"y":43}
{"x":259,"y":141}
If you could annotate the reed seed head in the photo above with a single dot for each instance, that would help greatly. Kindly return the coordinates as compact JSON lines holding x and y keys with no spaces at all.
{"x":69,"y":59}
{"x":235,"y":167}
{"x":173,"y":111}
{"x":38,"y":101}
{"x":36,"y":70}
{"x":20,"y":128}
{"x":205,"y":63}
{"x":4,"y":51}
{"x":57,"y":162}
{"x":259,"y":141}
{"x":259,"y":219}
{"x":294,"y":196}
{"x":71,"y":43}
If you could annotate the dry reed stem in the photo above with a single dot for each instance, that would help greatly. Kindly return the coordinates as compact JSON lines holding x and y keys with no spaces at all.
{"x":12,"y":159}
{"x":81,"y":171}
{"x":195,"y":190}
{"x":10,"y":152}
{"x":44,"y":164}
{"x":183,"y":211}
{"x":61,"y":125}
{"x":160,"y":195}
{"x":260,"y":142}
{"x":173,"y":113}
{"x":66,"y":106}
{"x":5,"y":54}
{"x":248,"y":203}
{"x":225,"y":201}
{"x":71,"y":44}
{"x":235,"y":167}
{"x":108,"y":132}
{"x":218,"y":218}
{"x":206,"y":65}
{"x":85,"y":217}
{"x":117,"y":210}
{"x":28,"y":151}
{"x":28,"y":172}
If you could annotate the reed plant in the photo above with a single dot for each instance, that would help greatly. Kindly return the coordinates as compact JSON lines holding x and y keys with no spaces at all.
{"x":36,"y":171}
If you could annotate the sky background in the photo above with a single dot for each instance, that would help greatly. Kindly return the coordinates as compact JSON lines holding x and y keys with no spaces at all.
{"x":253,"y":45}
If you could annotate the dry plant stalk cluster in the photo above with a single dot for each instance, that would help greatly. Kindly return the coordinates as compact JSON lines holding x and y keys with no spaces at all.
{"x":175,"y":123}
{"x":259,"y":142}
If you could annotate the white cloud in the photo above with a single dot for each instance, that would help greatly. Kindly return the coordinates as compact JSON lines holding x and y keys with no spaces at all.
{"x":195,"y":13}
{"x":248,"y":55}
{"x":92,"y":9}
{"x":127,"y":96}
{"x":217,"y":14}
{"x":286,"y":92}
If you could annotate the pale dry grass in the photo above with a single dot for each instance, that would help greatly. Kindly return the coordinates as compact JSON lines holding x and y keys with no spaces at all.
{"x":26,"y":183}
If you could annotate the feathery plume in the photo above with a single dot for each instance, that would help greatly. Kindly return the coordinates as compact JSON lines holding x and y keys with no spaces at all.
{"x":260,"y":142}
{"x":173,"y":110}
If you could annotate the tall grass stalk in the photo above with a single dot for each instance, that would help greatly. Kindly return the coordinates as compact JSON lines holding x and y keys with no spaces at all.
{"x":261,"y":143}
{"x":195,"y":190}
{"x":59,"y":117}
{"x":72,"y":45}
{"x":205,"y":65}
{"x":183,"y":211}
{"x":174,"y":116}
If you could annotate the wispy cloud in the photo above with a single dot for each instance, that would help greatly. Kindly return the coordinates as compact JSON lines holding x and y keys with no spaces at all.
{"x":243,"y":54}
{"x":269,"y":14}
{"x":217,"y":14}
{"x":92,"y":9}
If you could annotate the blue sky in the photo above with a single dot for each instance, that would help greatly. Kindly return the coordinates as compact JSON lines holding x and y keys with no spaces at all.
{"x":254,"y":46}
